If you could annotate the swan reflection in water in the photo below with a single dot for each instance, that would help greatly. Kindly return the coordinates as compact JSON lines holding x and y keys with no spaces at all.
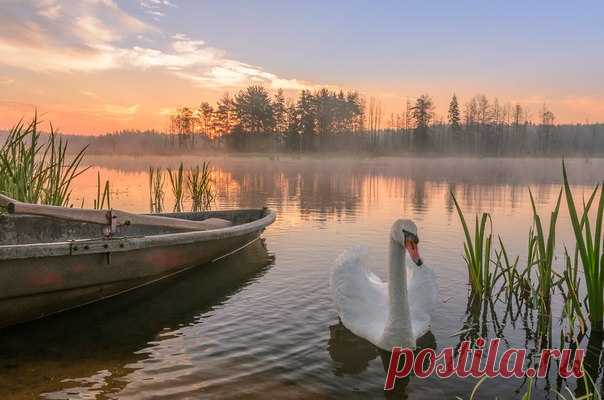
{"x":352,"y":354}
{"x":79,"y":345}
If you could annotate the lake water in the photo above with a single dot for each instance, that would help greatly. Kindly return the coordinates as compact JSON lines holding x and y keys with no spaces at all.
{"x":261,"y":323}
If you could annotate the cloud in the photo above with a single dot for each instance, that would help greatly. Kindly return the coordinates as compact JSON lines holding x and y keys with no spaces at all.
{"x":89,"y":94}
{"x":167,"y":111}
{"x":4,"y":80}
{"x":120,"y":110}
{"x":155,"y":8}
{"x":12,"y":111}
{"x":107,"y":110}
{"x":589,"y":106}
{"x":96,"y":35}
{"x":50,"y":9}
{"x":90,"y":29}
{"x":230,"y":73}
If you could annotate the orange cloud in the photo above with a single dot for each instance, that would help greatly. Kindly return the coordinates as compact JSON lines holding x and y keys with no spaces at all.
{"x":90,"y":66}
{"x":89,"y":39}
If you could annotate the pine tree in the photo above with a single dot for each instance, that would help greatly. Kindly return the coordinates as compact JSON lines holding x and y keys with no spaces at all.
{"x":306,"y":107}
{"x":454,"y":115}
{"x":280,"y":112}
{"x":422,"y":113}
{"x":254,"y":110}
{"x":205,"y":114}
{"x":224,"y":117}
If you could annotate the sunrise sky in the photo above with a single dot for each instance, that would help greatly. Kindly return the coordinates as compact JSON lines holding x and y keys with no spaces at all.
{"x":92,"y":66}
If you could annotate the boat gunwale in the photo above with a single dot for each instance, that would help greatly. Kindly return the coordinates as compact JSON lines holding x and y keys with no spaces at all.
{"x":130,"y":243}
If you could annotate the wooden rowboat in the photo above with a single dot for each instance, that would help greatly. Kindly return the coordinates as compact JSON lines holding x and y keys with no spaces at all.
{"x":48,"y":265}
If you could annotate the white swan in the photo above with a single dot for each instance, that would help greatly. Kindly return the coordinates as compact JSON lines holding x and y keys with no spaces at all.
{"x":386,"y":314}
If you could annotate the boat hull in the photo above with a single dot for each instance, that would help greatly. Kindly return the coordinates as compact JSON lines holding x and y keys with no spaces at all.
{"x":35,"y":287}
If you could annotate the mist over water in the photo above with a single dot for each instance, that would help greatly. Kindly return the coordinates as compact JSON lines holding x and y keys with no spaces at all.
{"x":263,"y":321}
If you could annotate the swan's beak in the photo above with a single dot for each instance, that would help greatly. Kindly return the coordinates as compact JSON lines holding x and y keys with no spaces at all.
{"x":411,"y":246}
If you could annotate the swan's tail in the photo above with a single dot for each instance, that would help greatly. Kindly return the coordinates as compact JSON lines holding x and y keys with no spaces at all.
{"x":352,"y":259}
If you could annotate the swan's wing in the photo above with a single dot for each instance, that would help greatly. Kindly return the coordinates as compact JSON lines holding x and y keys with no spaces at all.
{"x":422,"y":289}
{"x":360,"y":296}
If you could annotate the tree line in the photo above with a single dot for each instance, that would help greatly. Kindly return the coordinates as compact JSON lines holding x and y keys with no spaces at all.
{"x":255,"y":119}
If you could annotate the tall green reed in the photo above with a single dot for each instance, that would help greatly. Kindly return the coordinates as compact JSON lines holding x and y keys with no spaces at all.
{"x":102,"y":198}
{"x":34,"y":171}
{"x":566,"y":394}
{"x":61,"y":172}
{"x":177,"y":186}
{"x":545,"y":245}
{"x":156,"y":190}
{"x":477,"y":251}
{"x":199,"y":185}
{"x":569,"y":284}
{"x":589,"y":246}
{"x":21,"y":169}
{"x":507,"y":269}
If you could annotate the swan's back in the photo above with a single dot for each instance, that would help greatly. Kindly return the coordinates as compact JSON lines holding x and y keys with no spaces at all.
{"x":360,"y":296}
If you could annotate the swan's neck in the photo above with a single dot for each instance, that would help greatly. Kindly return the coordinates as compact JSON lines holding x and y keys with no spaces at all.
{"x":397,"y":331}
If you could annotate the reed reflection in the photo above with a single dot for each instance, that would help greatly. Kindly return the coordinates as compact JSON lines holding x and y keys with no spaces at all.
{"x":495,"y":316}
{"x":339,"y":189}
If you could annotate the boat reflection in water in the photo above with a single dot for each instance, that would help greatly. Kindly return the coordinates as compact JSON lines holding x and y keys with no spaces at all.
{"x":99,"y":341}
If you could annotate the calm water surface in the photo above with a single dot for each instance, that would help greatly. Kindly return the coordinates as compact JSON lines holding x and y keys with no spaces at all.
{"x":261,"y":323}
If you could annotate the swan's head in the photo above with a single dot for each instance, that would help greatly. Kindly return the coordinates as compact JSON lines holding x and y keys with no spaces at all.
{"x":404,"y":232}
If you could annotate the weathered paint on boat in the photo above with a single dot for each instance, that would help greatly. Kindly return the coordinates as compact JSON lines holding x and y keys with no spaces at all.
{"x":49,"y":265}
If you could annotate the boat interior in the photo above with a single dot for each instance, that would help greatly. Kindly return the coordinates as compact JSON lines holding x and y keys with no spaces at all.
{"x":28,"y":229}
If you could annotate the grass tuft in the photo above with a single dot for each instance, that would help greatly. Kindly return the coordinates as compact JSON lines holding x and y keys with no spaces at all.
{"x":177,"y":186}
{"x":477,"y":251}
{"x":589,"y":246}
{"x":102,"y":198}
{"x":156,"y":190}
{"x":544,"y":248}
{"x":34,"y":171}
{"x":199,"y":184}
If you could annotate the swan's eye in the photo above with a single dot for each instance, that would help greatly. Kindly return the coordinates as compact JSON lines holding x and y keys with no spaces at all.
{"x":410,"y":236}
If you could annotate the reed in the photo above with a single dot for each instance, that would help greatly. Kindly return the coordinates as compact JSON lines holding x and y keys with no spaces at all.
{"x":474,"y":393}
{"x":544,"y":248}
{"x":589,"y":242}
{"x":102,"y":198}
{"x":524,"y":281}
{"x":21,"y":170}
{"x":585,"y":390}
{"x":35,"y":172}
{"x":477,"y":251}
{"x":506,"y":269}
{"x":156,"y":190}
{"x":569,"y":285}
{"x":566,"y":394}
{"x":177,"y":186}
{"x":60,"y":172}
{"x":199,"y":185}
